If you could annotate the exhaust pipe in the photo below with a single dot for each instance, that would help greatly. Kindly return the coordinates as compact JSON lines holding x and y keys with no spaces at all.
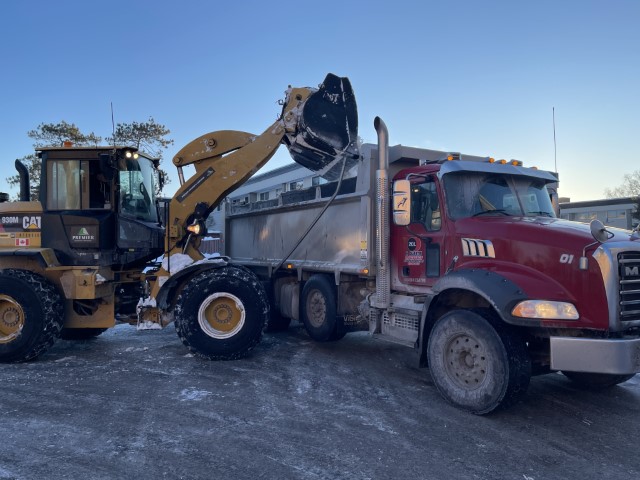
{"x":25,"y":189}
{"x":383,"y":288}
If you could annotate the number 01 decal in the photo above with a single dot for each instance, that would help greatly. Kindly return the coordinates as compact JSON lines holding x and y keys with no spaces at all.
{"x":566,"y":258}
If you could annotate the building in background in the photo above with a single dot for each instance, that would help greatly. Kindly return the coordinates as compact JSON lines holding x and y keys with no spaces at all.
{"x":613,"y":212}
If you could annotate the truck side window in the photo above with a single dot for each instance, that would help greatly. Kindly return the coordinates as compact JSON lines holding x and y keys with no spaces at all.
{"x":425,"y":207}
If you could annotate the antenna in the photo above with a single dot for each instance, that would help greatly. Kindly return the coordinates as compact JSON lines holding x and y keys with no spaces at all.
{"x":113,"y":128}
{"x":555,"y":156}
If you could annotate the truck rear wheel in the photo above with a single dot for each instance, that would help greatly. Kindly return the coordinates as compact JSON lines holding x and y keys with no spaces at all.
{"x":319,"y":309}
{"x":596,"y":381}
{"x":476,"y":363}
{"x":31,"y":315}
{"x":221,"y":313}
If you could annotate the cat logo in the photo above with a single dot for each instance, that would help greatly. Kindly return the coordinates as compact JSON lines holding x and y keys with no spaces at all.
{"x":31,"y":223}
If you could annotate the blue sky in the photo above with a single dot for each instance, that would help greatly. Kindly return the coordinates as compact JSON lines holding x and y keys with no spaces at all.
{"x":469,"y":76}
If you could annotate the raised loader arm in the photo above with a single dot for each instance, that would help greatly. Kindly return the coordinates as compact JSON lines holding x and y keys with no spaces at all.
{"x":318,"y":126}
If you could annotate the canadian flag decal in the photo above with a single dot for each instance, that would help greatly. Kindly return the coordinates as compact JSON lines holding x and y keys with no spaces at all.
{"x":22,"y":242}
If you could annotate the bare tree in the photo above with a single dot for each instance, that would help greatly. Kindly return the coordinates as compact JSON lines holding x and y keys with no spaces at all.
{"x":630,"y":188}
{"x":50,"y":135}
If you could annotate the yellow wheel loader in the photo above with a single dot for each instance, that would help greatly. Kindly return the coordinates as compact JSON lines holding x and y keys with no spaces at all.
{"x":87,"y":253}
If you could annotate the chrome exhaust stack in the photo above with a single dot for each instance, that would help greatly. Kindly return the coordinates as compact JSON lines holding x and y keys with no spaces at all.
{"x":383,"y":272}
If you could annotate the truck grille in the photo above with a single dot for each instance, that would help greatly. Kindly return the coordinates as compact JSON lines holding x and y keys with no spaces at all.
{"x":629,"y":275}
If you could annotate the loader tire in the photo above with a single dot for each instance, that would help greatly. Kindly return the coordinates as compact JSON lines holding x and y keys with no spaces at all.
{"x":221,"y":313}
{"x":31,"y":315}
{"x":319,"y":309}
{"x":81,"y":333}
{"x":596,"y":381}
{"x":477,"y":363}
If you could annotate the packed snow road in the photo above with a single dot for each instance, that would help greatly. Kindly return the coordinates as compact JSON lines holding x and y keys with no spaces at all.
{"x":135,"y":404}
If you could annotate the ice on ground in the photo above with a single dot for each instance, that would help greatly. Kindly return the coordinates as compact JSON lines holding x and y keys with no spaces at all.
{"x":192,"y":394}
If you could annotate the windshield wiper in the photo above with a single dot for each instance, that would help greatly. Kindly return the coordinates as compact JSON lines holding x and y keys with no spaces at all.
{"x":495,"y":210}
{"x":541,"y":213}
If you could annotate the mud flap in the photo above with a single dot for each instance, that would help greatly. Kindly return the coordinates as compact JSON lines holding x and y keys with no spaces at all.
{"x":327,"y":129}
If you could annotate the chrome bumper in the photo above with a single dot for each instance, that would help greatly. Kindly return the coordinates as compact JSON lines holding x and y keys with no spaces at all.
{"x":615,"y":356}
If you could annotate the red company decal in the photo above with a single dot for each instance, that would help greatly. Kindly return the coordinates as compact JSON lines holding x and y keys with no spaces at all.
{"x":413,"y":255}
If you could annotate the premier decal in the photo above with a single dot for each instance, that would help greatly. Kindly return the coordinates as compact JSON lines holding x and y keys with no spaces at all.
{"x":83,"y":235}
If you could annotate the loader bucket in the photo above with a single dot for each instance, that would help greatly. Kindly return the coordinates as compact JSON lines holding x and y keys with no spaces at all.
{"x":327,"y":129}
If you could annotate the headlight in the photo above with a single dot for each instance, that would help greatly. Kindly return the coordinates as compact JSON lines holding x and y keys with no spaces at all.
{"x":195,"y":228}
{"x":546,"y":309}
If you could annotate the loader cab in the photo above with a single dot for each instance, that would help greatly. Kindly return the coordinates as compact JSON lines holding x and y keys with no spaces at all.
{"x":99,"y":206}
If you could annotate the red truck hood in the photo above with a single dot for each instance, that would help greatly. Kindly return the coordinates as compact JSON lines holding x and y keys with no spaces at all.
{"x":542,"y":256}
{"x":542,"y":230}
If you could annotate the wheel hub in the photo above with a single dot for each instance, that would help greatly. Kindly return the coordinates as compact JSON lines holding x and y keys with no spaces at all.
{"x":221,"y":315}
{"x":466,"y":361}
{"x":11,"y":319}
{"x":317,"y":310}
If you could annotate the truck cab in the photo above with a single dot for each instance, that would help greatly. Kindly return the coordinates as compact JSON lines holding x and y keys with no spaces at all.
{"x":425,"y":240}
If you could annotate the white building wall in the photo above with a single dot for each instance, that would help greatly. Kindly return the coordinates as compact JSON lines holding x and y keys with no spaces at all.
{"x":612,"y":214}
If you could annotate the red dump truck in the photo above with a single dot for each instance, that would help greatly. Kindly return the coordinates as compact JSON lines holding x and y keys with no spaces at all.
{"x":461,"y":258}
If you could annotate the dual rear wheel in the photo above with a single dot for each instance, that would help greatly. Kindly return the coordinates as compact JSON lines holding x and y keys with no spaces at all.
{"x":319,"y":309}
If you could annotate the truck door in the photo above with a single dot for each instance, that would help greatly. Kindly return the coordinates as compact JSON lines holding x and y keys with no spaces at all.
{"x":418,"y":247}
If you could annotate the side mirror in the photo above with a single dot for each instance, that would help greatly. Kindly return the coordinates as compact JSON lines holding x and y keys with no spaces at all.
{"x":402,"y":202}
{"x":107,"y":166}
{"x":599,"y":231}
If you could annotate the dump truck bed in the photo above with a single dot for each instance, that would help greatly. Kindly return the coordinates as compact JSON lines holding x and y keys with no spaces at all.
{"x":263,"y":233}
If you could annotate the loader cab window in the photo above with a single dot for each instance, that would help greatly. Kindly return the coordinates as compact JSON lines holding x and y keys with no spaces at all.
{"x":76,"y":185}
{"x":425,"y":207}
{"x":137,"y":188}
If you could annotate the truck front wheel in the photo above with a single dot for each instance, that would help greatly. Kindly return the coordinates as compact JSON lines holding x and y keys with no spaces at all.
{"x":31,"y":315}
{"x":319,"y":309}
{"x":221,"y":313}
{"x":476,"y":363}
{"x":596,"y":381}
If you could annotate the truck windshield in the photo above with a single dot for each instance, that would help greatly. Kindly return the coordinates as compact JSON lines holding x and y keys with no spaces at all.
{"x":137,"y":189}
{"x":474,"y":194}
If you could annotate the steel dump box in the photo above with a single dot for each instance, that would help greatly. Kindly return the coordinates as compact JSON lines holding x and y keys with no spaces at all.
{"x":341,"y":241}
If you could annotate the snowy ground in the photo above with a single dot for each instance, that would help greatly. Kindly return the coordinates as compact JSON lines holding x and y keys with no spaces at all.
{"x":135,"y":405}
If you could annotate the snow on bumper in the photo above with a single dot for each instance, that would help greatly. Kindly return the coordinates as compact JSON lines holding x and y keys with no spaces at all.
{"x":614,"y":356}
